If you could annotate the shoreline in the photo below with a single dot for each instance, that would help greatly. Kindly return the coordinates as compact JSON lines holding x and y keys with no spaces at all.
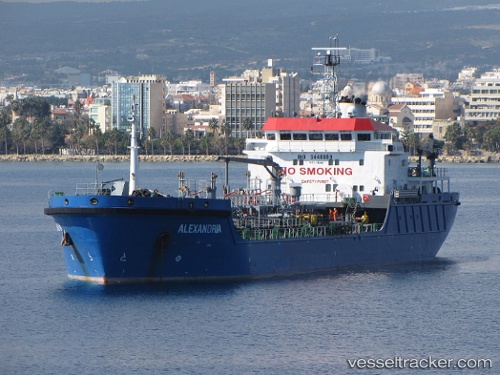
{"x":485,"y":158}
{"x":108,"y":158}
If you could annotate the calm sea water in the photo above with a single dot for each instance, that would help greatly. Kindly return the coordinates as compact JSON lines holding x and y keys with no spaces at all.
{"x":448,"y":308}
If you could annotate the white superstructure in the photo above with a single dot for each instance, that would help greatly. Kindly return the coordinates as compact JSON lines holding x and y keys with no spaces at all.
{"x":329,"y":159}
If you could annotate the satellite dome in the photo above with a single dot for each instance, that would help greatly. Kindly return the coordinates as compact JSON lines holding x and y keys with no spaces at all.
{"x":347,"y":91}
{"x":380,"y":87}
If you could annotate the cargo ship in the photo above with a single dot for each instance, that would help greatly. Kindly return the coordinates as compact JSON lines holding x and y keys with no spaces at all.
{"x":322,"y":194}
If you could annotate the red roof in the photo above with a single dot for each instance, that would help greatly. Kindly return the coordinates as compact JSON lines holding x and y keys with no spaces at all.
{"x":324,"y":124}
{"x":60,"y":111}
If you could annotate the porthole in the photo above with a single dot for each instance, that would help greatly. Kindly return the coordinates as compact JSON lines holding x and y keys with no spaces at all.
{"x":93,"y":201}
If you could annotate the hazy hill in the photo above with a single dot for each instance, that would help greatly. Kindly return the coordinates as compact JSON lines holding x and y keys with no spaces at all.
{"x":187,"y":39}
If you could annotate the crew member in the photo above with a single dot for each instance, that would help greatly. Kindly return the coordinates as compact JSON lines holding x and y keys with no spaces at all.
{"x":332,"y":214}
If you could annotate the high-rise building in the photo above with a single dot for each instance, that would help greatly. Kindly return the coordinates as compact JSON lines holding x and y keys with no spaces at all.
{"x":248,"y":101}
{"x":146,"y":96}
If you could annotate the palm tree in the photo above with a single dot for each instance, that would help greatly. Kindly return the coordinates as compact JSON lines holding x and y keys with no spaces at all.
{"x":226,"y":132}
{"x":189,"y":138}
{"x":170,"y":140}
{"x":247,"y":125}
{"x":114,"y":137}
{"x":213,"y":125}
{"x":151,"y":138}
{"x":492,"y":139}
{"x":205,"y":143}
{"x":239,"y":143}
{"x":97,"y":137}
{"x":217,"y":144}
{"x":164,"y":144}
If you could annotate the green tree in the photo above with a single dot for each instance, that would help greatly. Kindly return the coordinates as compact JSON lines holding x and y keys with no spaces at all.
{"x":78,"y":108}
{"x":205,"y":143}
{"x":39,"y":132}
{"x":95,"y":140}
{"x":21,"y":130}
{"x":455,"y":137}
{"x":492,"y":139}
{"x":164,"y":144}
{"x":151,"y":139}
{"x":112,"y":140}
{"x":213,"y":125}
{"x":247,"y":125}
{"x":226,"y":132}
{"x":31,"y":107}
{"x":180,"y":144}
{"x":56,"y":135}
{"x":408,"y":137}
{"x":189,"y":139}
{"x":5,"y":120}
{"x":217,"y":144}
{"x":167,"y":141}
{"x":239,"y":144}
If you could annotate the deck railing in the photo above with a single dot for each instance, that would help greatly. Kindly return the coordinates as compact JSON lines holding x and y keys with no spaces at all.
{"x":332,"y":229}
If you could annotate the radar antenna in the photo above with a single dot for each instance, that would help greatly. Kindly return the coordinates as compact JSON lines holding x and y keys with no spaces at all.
{"x":327,"y":86}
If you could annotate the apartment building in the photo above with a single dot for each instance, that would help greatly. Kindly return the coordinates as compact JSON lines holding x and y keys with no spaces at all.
{"x":250,"y":99}
{"x":100,"y":112}
{"x":484,"y":100}
{"x":428,"y":105}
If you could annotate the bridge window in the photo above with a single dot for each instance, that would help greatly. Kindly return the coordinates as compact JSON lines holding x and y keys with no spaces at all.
{"x":315,"y":136}
{"x":385,"y":135}
{"x":271,"y":136}
{"x":345,"y":136}
{"x":364,"y":137}
{"x":285,"y":136}
{"x":299,"y":136}
{"x":328,"y":188}
{"x":331,"y":137}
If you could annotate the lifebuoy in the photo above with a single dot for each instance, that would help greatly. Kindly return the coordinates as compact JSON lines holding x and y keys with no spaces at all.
{"x":366,"y":198}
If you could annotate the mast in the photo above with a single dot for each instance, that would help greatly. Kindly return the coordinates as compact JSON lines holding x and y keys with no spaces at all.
{"x":329,"y":58}
{"x":134,"y":156}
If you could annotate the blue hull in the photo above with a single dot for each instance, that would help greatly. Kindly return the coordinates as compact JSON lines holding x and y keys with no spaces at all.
{"x":115,"y":239}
